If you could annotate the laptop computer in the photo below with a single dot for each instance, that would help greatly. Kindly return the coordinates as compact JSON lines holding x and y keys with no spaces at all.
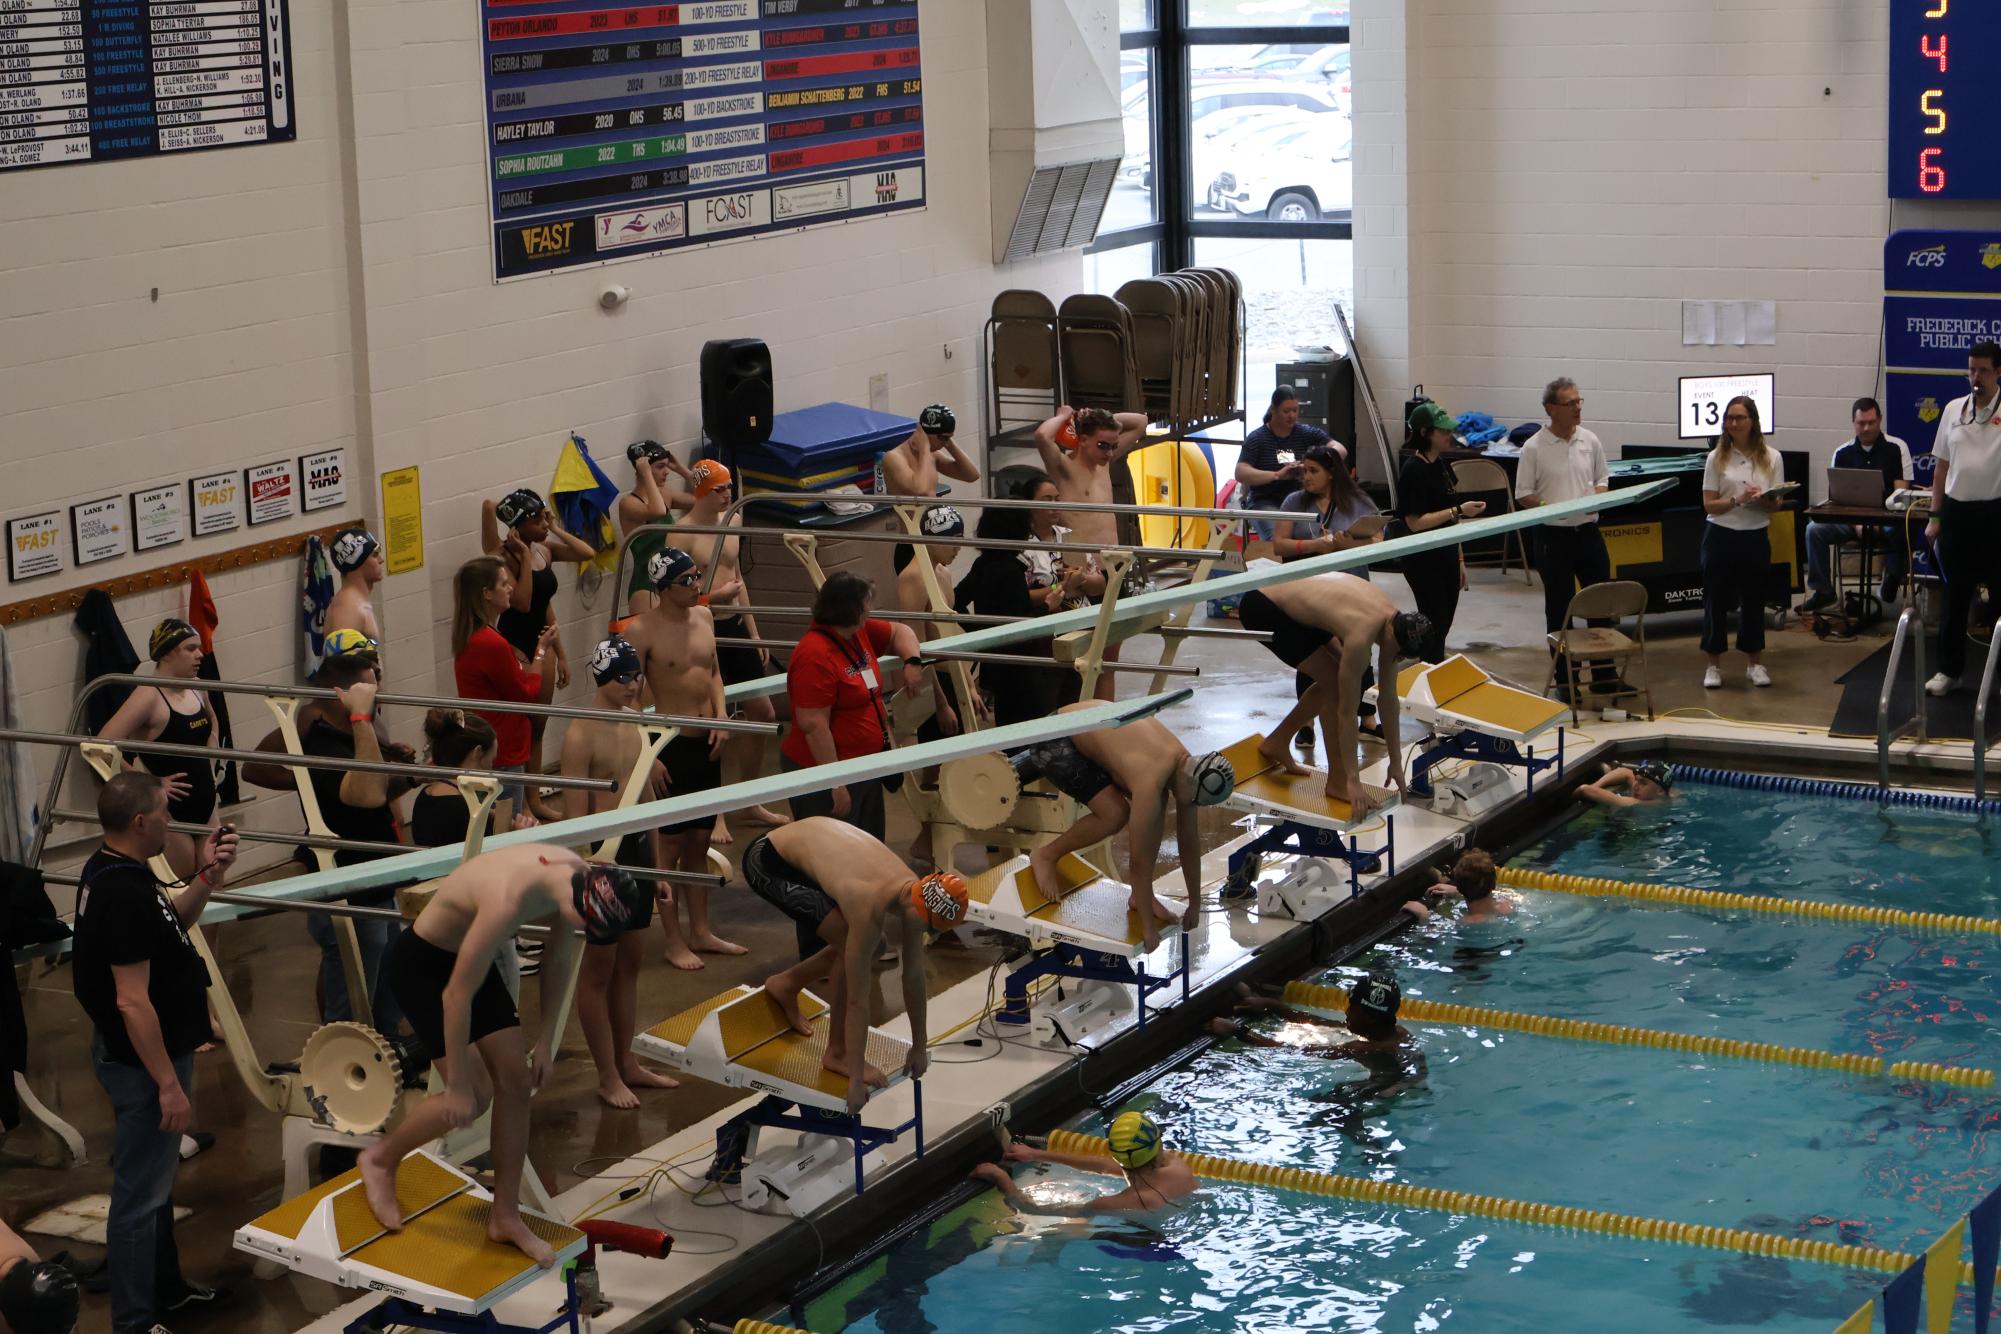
{"x":1855,"y":486}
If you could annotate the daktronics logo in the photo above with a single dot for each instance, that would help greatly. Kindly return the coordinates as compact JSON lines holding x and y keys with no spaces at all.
{"x":1931,"y":257}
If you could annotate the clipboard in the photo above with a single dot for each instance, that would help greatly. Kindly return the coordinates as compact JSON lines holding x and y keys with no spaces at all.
{"x":1369,"y":525}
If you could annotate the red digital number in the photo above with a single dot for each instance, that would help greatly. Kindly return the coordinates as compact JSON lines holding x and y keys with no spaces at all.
{"x":1925,"y":45}
{"x":1931,"y":176}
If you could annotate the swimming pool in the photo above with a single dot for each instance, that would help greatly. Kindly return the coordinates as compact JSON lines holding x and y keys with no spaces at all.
{"x":1771,"y":1149}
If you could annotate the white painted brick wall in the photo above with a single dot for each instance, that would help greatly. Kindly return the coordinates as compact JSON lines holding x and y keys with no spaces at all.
{"x":282,"y":328}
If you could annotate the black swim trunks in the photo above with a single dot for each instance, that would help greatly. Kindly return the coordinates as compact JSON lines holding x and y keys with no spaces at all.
{"x":1291,"y":643}
{"x":784,"y":886}
{"x":418,"y":972}
{"x":736,"y":662}
{"x":1066,"y":768}
{"x":690,"y":770}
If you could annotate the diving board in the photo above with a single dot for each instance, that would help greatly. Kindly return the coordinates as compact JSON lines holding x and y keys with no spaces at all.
{"x":441,"y":1260}
{"x":1306,"y":823}
{"x":1482,"y":720}
{"x":741,"y":1039}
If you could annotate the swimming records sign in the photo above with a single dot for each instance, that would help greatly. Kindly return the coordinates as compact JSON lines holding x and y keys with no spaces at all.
{"x":616,"y":133}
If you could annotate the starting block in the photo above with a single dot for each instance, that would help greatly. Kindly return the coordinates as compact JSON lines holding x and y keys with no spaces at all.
{"x":741,"y":1039}
{"x":1307,"y":823}
{"x":1087,"y":932}
{"x":438,"y":1270}
{"x":1478,"y":719}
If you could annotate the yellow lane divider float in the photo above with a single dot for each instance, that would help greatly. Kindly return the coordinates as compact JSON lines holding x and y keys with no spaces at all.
{"x":748,"y":1326}
{"x":1699,"y":1044}
{"x":1682,"y":897}
{"x":1367,"y":1191}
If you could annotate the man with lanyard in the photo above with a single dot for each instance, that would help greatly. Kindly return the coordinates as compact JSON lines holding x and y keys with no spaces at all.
{"x":1966,"y":505}
{"x":1869,"y":447}
{"x":1564,"y":461}
{"x":144,"y":986}
{"x":838,"y":711}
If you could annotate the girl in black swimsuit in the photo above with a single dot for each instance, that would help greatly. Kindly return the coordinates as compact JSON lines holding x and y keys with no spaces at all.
{"x":523,"y":531}
{"x":177,"y":714}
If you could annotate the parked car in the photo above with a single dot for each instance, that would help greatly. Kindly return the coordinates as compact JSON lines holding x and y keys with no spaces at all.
{"x":1330,"y":64}
{"x":1206,"y":100}
{"x":1252,"y":138}
{"x":1306,"y":181}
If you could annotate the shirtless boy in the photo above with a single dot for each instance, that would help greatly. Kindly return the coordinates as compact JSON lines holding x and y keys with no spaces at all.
{"x":912,"y":594}
{"x":1623,"y":786}
{"x":1083,"y":475}
{"x":1124,"y":777}
{"x":1154,"y":1175}
{"x":648,"y":509}
{"x":608,"y":985}
{"x":849,"y":888}
{"x":676,"y":640}
{"x":913,"y":469}
{"x":1472,"y":879}
{"x":714,"y":488}
{"x":442,"y":969}
{"x":1379,"y":1044}
{"x":357,"y":554}
{"x":1325,"y":625}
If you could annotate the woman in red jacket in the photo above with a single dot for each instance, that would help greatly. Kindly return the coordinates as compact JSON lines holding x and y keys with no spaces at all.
{"x":486,"y":666}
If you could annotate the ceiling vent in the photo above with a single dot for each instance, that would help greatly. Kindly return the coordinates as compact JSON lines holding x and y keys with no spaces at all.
{"x":1062,"y":207}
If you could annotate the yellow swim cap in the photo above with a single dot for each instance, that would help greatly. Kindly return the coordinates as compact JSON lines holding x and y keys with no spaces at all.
{"x":1135,"y":1139}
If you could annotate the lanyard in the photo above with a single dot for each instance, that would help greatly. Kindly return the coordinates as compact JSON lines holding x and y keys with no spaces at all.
{"x":859,"y":661}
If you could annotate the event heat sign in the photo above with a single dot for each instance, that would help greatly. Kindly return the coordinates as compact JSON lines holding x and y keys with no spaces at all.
{"x":1945,"y":100}
{"x":620,"y":132}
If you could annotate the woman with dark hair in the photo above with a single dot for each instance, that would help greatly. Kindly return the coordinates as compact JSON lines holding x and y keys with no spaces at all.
{"x":484,"y":664}
{"x":1425,"y":501}
{"x":1269,"y":463}
{"x":1737,"y":482}
{"x":1331,"y":507}
{"x":838,"y":709}
{"x":1004,"y":583}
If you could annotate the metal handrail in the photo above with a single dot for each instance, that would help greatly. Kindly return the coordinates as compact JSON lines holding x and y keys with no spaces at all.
{"x":970,"y":618}
{"x":1884,"y":734}
{"x":1980,"y":715}
{"x":1008,"y":659}
{"x":978,"y":543}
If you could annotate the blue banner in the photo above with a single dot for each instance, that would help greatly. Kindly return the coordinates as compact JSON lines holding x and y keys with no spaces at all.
{"x":1941,"y":295}
{"x":1984,"y":1224}
{"x":1903,"y":1300}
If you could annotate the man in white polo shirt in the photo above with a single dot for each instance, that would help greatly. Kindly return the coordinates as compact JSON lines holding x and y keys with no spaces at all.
{"x":1966,"y":505}
{"x":1564,"y":461}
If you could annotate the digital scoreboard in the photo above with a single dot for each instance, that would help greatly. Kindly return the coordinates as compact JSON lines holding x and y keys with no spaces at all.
{"x":92,"y":80}
{"x":620,"y":132}
{"x":1945,"y":99}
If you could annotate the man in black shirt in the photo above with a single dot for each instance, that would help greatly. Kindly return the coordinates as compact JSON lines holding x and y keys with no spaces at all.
{"x":353,"y":805}
{"x":1869,"y":447}
{"x":140,"y":980}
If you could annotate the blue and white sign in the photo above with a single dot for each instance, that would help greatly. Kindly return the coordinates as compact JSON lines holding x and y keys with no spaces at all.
{"x":1941,"y":295}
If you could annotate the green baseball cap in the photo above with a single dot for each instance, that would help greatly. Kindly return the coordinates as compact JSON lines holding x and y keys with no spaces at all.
{"x":1429,"y":416}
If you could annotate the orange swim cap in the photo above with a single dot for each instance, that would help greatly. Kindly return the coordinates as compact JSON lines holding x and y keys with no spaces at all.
{"x":709,"y":476}
{"x":940,"y":899}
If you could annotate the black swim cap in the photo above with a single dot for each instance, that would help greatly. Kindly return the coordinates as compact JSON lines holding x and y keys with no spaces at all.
{"x":1658,"y":772}
{"x":1413,"y":632}
{"x":1377,"y":997}
{"x":39,"y":1298}
{"x":609,"y":900}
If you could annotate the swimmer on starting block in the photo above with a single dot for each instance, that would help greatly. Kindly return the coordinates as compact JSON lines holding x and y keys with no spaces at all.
{"x":1123,"y":777}
{"x":848,"y":887}
{"x":1155,"y":1176}
{"x":37,"y":1296}
{"x":1473,"y":879}
{"x":1622,"y":786}
{"x":1324,"y":626}
{"x":1380,"y":1045}
{"x":442,"y":970}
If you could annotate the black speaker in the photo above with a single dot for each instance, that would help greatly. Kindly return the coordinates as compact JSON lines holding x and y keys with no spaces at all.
{"x":736,"y":391}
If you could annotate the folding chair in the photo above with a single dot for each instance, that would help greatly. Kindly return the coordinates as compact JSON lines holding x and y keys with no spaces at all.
{"x":1613,"y":601}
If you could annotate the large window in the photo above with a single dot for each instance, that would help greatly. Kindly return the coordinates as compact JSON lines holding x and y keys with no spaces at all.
{"x":1239,"y":152}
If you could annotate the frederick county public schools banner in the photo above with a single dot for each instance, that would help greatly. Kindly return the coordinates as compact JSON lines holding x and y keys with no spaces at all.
{"x":620,"y":132}
{"x":1941,"y":295}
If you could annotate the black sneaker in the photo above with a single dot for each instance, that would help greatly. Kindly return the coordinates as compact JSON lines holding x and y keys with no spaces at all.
{"x":1814,"y":601}
{"x":196,"y":1298}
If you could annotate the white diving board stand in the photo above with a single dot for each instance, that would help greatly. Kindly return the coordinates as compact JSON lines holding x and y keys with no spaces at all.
{"x":741,"y":1039}
{"x":1307,"y":823}
{"x":1474,"y":717}
{"x":1087,"y":932}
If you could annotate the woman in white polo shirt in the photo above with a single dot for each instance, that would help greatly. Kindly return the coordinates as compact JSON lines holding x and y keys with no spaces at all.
{"x":1737,"y":480}
{"x":1966,"y":505}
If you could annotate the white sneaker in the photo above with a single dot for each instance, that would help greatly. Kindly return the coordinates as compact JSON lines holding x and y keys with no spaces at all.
{"x":1759,"y":676}
{"x":1712,"y":677}
{"x":1941,"y":684}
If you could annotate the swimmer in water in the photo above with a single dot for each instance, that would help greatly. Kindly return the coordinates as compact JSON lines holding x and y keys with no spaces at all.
{"x":1155,"y":1176}
{"x":1472,"y":878}
{"x":1647,"y":783}
{"x":1379,"y":1044}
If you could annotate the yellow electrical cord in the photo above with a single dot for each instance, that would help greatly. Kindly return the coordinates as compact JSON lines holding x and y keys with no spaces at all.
{"x":1711,"y":714}
{"x":1712,"y":898}
{"x":1368,"y":1191}
{"x":1333,"y":998}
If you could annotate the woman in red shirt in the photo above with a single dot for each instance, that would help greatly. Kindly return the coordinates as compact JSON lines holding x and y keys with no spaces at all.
{"x":838,"y":709}
{"x":486,"y":667}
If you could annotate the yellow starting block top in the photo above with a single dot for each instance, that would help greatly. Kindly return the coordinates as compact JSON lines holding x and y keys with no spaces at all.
{"x":441,"y":1259}
{"x":1459,"y":693}
{"x":740,"y":1039}
{"x":1091,"y":910}
{"x":1265,"y":789}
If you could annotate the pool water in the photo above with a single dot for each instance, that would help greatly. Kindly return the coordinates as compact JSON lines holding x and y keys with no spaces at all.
{"x":1773,"y":1149}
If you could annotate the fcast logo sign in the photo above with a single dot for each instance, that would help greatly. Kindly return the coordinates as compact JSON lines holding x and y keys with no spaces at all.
{"x":1931,"y":257}
{"x":732,"y":212}
{"x":1990,"y":255}
{"x":1928,"y":409}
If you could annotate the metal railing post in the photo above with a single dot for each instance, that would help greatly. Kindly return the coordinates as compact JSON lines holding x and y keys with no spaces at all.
{"x":1980,"y":716}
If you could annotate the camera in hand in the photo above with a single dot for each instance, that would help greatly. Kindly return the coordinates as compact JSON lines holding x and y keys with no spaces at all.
{"x":938,"y":420}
